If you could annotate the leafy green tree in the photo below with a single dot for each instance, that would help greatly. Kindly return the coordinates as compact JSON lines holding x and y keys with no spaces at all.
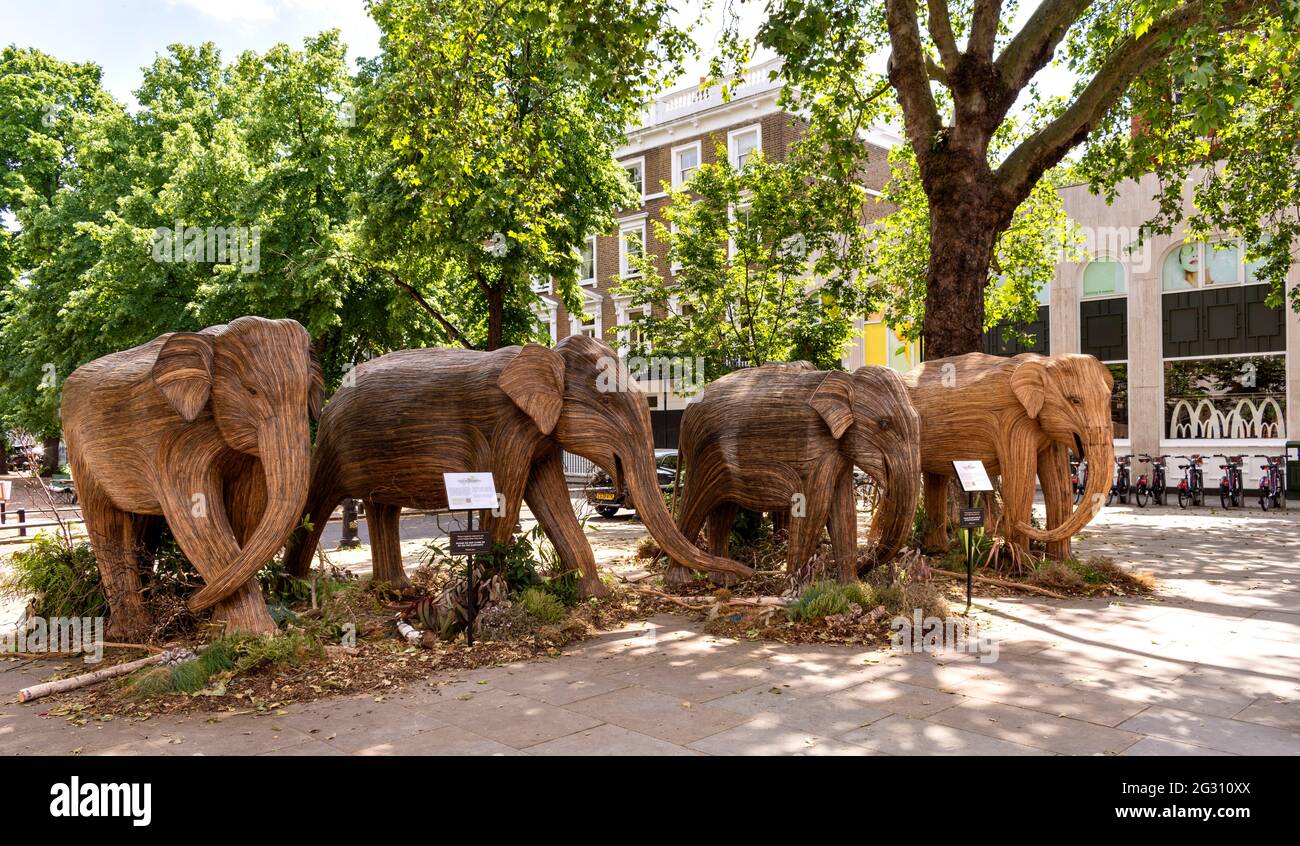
{"x":764,"y":263}
{"x":495,"y":123}
{"x":958,"y":72}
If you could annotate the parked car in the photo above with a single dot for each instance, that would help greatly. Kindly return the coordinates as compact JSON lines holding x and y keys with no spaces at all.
{"x":607,"y":501}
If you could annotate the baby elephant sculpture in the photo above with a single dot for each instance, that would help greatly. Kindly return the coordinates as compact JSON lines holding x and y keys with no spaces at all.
{"x":413,"y":415}
{"x":209,"y":430}
{"x":1019,"y":416}
{"x":785,"y":438}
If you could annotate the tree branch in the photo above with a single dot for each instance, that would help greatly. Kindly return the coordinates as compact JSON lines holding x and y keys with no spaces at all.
{"x":940,"y":25}
{"x":1033,"y":46}
{"x":909,"y":75}
{"x":452,"y":332}
{"x":1128,"y":60}
{"x":984,"y":28}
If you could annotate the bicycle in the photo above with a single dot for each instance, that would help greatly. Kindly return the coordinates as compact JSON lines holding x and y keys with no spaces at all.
{"x":1230,"y":484}
{"x":1078,"y":477}
{"x":1121,"y":486}
{"x":1191,"y":488}
{"x":1272,"y":485}
{"x":1155,"y":488}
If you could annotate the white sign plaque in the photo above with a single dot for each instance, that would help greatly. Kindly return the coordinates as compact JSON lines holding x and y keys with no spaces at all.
{"x":470,"y":490}
{"x":972,"y":476}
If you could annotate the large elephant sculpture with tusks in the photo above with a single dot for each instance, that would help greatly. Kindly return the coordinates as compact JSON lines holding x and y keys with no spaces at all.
{"x":410,"y":416}
{"x":1021,"y":416}
{"x":784,"y":438}
{"x":209,"y":430}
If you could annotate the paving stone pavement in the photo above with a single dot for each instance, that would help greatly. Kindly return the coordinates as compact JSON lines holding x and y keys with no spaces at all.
{"x":1209,"y":667}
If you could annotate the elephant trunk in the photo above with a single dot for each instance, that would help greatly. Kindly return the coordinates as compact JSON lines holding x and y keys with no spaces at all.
{"x":895,"y":515}
{"x":1099,"y":449}
{"x":283,"y":447}
{"x":643,"y":487}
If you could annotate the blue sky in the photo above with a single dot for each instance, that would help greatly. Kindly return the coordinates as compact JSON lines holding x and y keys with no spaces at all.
{"x":123,"y":36}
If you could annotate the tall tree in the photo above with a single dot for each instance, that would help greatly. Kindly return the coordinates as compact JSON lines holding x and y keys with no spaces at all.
{"x":958,"y":72}
{"x":764,"y":263}
{"x":497,"y":121}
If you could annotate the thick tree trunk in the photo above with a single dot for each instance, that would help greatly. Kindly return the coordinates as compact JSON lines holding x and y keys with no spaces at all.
{"x":50,"y":456}
{"x":962,"y":237}
{"x":496,"y":315}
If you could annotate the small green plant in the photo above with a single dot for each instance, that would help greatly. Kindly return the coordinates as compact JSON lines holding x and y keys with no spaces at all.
{"x":235,"y":655}
{"x":62,"y":578}
{"x":827,"y":598}
{"x":543,"y":606}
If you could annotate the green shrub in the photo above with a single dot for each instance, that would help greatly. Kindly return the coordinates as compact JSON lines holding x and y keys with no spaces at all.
{"x":63,"y":579}
{"x":236,"y":654}
{"x":543,"y":606}
{"x":827,"y":598}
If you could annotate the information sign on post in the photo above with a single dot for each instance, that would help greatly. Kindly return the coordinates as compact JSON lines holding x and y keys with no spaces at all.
{"x":470,"y":492}
{"x":973,"y":479}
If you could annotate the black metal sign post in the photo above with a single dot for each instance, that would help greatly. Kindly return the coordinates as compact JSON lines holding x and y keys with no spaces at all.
{"x":475,"y":491}
{"x":973,"y":478}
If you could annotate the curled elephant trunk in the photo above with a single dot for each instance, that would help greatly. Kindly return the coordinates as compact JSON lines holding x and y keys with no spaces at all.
{"x":643,"y":487}
{"x":1099,"y":449}
{"x":895,"y":515}
{"x":285,"y":454}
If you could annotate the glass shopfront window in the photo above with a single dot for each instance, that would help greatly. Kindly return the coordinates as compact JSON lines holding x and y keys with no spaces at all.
{"x":1226,"y":397}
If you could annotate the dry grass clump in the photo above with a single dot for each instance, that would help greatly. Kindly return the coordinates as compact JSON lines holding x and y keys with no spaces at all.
{"x":647,"y":547}
{"x":1091,"y":576}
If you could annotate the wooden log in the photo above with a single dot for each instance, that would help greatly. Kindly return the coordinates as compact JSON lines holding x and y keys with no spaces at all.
{"x":38,"y":691}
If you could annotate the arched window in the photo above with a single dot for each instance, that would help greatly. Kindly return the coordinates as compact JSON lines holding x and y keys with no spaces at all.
{"x":1104,"y":277}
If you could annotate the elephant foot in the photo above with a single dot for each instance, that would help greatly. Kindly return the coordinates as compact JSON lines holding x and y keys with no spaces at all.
{"x":129,"y":625}
{"x":244,"y":612}
{"x":677,"y":576}
{"x":592,"y":587}
{"x":725,"y":580}
{"x":936,"y":543}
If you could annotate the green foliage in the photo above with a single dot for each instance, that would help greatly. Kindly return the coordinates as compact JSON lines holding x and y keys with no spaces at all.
{"x":826,"y":598}
{"x":229,"y":656}
{"x":62,"y":579}
{"x":494,"y":126}
{"x":744,"y":243}
{"x":542,"y":605}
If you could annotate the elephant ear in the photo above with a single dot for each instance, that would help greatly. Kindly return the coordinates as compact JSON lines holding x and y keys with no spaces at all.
{"x":316,"y":388}
{"x":534,"y":381}
{"x":1029,"y":384}
{"x":183,"y":372}
{"x":833,"y":400}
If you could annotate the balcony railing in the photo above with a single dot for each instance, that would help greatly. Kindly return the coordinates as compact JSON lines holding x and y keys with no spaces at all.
{"x":679,"y":104}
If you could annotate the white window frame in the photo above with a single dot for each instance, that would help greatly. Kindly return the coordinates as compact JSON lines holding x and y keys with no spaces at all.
{"x":676,"y":157}
{"x":1203,"y":248}
{"x":1111,"y":296}
{"x":626,"y":271}
{"x":595,"y":260}
{"x":732,"y":153}
{"x":624,"y":311}
{"x":675,"y":266}
{"x":593,"y":304}
{"x":540,"y":284}
{"x":639,"y":162}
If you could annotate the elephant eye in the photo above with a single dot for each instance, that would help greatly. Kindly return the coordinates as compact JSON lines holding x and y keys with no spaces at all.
{"x":883,"y":423}
{"x":1076,"y":399}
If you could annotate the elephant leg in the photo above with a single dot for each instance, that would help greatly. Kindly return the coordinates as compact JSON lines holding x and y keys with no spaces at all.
{"x":113,"y":536}
{"x":1054,"y":476}
{"x":1017,"y":503}
{"x":806,"y":531}
{"x":245,"y":501}
{"x":694,"y":512}
{"x":936,"y":513}
{"x":842,"y":523}
{"x":303,"y":542}
{"x":547,"y":495}
{"x":384,"y":525}
{"x":719,"y":523}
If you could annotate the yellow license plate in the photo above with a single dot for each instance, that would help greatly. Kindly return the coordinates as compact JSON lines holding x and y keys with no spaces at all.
{"x":606,"y":497}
